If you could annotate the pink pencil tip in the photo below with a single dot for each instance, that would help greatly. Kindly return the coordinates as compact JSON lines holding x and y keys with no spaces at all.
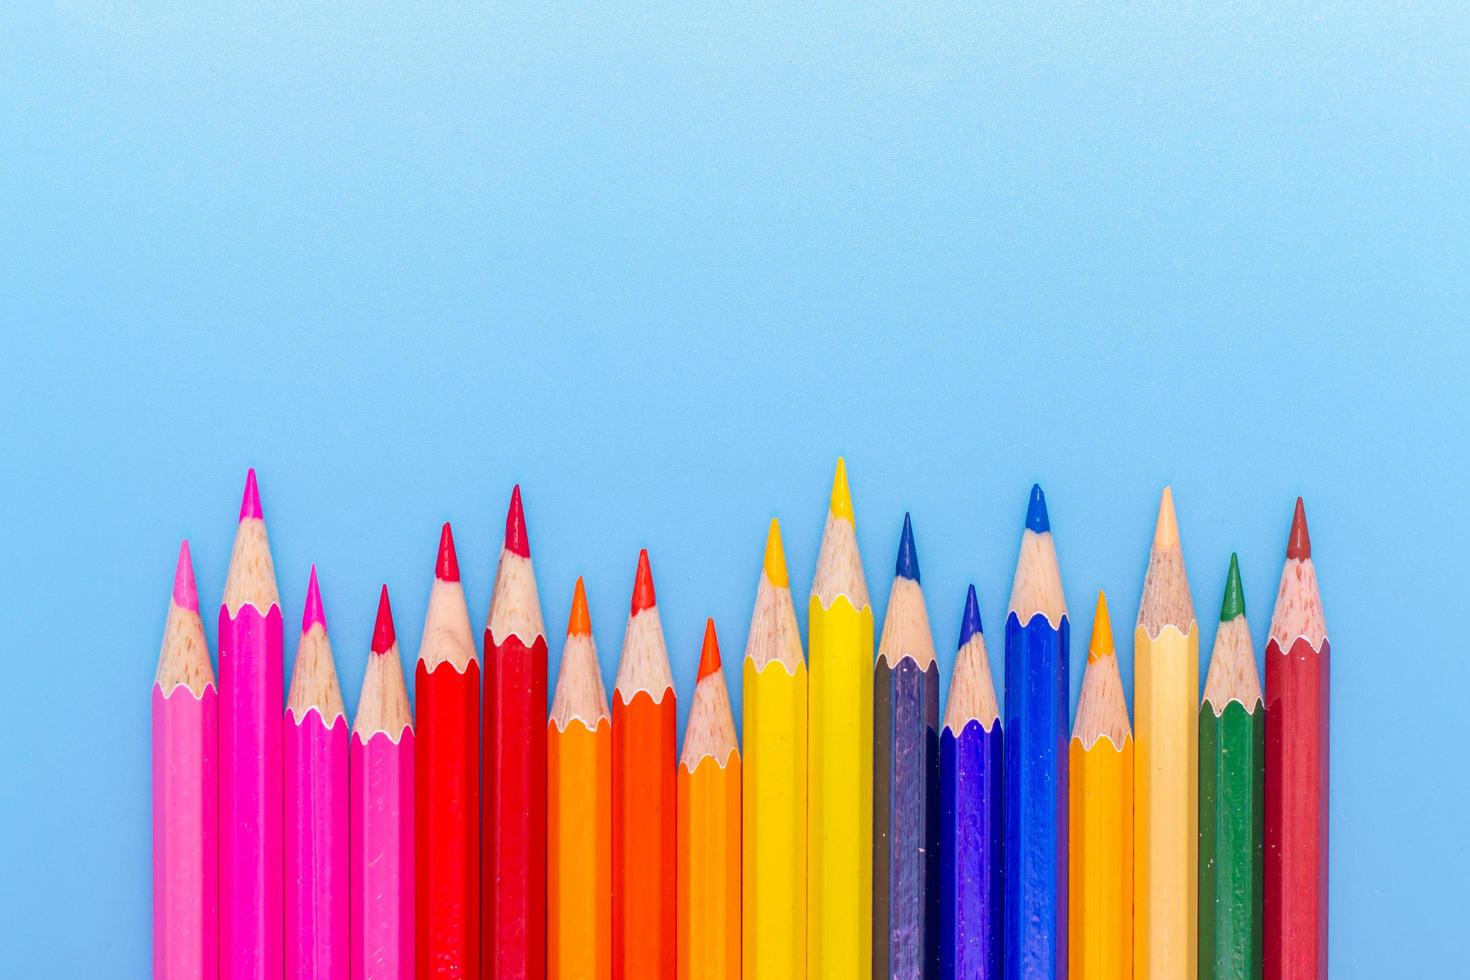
{"x":446,"y":568}
{"x":186,"y":596}
{"x":515,"y":526}
{"x":383,"y":635}
{"x":250,"y":501}
{"x":313,"y":614}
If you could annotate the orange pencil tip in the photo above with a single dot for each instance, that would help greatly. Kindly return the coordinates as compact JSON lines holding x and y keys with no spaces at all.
{"x":643,"y":597}
{"x":1299,"y":544}
{"x":709,"y":654}
{"x":580,"y":622}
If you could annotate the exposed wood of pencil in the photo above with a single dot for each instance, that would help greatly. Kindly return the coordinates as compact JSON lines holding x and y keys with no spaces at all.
{"x":710,"y":730}
{"x":447,"y":637}
{"x":383,"y":705}
{"x":1037,"y":587}
{"x":252,"y":575}
{"x":971,"y":688}
{"x":579,"y":695}
{"x":840,"y":566}
{"x":184,"y":657}
{"x":906,"y":631}
{"x":314,"y":679}
{"x":645,"y":662}
{"x":1233,"y":675}
{"x":1166,"y":600}
{"x":515,"y":606}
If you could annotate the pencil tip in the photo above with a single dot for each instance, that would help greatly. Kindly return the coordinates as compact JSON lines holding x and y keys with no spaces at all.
{"x":186,"y":594}
{"x":970,"y":626}
{"x":446,"y":566}
{"x":383,"y":635}
{"x":1299,"y":545}
{"x":1102,"y":630}
{"x":643,"y":597}
{"x":313,"y":614}
{"x":250,"y":500}
{"x":841,"y":503}
{"x":1166,"y":528}
{"x":775,"y":560}
{"x":709,"y":653}
{"x":515,"y":526}
{"x":579,"y":623}
{"x":1233,"y":604}
{"x":907,"y":565}
{"x":1036,"y":516}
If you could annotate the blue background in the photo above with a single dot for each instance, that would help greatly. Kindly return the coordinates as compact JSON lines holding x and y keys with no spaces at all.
{"x":661,"y":263}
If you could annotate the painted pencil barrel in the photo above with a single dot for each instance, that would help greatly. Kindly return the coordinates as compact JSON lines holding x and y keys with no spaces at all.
{"x":447,"y":822}
{"x":1036,"y":723}
{"x":644,"y":818}
{"x":1100,"y":926}
{"x":1166,"y":785}
{"x":840,"y":792}
{"x":972,"y":829}
{"x":185,"y":834}
{"x":381,"y":861}
{"x":316,"y":847}
{"x":709,"y":870}
{"x":1232,"y":749}
{"x":905,"y":819}
{"x":514,"y":840}
{"x":579,"y":852}
{"x":1296,"y":810}
{"x":251,"y":811}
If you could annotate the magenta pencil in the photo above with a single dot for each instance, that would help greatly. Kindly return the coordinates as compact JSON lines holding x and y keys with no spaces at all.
{"x":250,"y":805}
{"x":315,"y":753}
{"x":185,"y":788}
{"x":380,"y":811}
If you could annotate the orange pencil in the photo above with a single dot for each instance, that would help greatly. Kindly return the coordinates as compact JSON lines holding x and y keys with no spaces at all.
{"x":709,"y":828}
{"x":643,"y":798}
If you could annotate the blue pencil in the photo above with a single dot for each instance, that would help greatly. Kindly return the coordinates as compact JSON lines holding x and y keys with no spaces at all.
{"x":1036,"y":727}
{"x":971,"y":781}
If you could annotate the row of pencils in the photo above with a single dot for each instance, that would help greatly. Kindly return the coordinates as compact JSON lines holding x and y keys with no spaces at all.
{"x":469,"y":836}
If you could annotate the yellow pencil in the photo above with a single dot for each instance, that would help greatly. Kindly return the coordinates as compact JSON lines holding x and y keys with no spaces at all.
{"x":1166,"y":763}
{"x":774,"y":796}
{"x":840,"y":753}
{"x":1100,"y":917}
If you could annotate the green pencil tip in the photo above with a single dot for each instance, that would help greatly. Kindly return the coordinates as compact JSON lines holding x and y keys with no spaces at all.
{"x":1234,"y":602}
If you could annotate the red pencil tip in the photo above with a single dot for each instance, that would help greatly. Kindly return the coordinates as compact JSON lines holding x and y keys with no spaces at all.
{"x":446,"y":568}
{"x":643,"y":597}
{"x":250,"y":501}
{"x":186,"y":595}
{"x":383,"y":635}
{"x":709,"y":654}
{"x":515,"y":526}
{"x":580,"y":622}
{"x":313,"y":613}
{"x":1299,"y":544}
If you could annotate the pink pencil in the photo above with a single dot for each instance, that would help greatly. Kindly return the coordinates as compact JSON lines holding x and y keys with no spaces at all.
{"x":250,"y":807}
{"x":316,"y":806}
{"x":185,"y":784}
{"x":381,"y":813}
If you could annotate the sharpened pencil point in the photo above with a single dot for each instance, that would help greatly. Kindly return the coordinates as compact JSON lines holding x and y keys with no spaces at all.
{"x":775,"y":560}
{"x":446,"y":567}
{"x":1299,"y":544}
{"x":515,"y":526}
{"x":907,"y":565}
{"x":841,"y":503}
{"x":643,"y":597}
{"x":313,"y":614}
{"x":186,"y":594}
{"x":579,"y":623}
{"x":709,"y":653}
{"x":1102,"y":631}
{"x":1166,"y":529}
{"x":970,"y":625}
{"x":1233,"y":604}
{"x":1036,"y":516}
{"x":383,"y":635}
{"x":250,"y":500}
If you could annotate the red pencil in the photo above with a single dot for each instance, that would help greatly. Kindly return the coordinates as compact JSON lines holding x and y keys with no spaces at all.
{"x":514,"y":837}
{"x":447,"y":782}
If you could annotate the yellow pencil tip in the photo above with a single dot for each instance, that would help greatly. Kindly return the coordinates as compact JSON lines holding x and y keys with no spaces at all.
{"x":1102,"y":631}
{"x":841,"y":505}
{"x":775,"y":560}
{"x":1166,"y":531}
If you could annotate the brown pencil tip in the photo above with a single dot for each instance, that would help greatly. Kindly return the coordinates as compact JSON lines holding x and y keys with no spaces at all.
{"x":1299,"y":544}
{"x":709,"y":654}
{"x":643,"y":597}
{"x":579,"y":623}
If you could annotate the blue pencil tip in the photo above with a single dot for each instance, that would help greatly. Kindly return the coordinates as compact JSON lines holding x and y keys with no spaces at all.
{"x":1036,"y":518}
{"x":908,"y":558}
{"x":970,"y":625}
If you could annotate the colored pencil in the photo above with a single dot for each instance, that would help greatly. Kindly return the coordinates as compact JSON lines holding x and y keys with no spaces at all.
{"x":315,"y":754}
{"x":1166,"y":762}
{"x":1038,"y":636}
{"x":1232,"y":790}
{"x":251,"y":810}
{"x":447,"y":782}
{"x":1100,"y":920}
{"x":185,"y":792}
{"x":906,"y":780}
{"x":708,"y":790}
{"x":773,"y":797}
{"x":1298,"y":656}
{"x":579,"y":808}
{"x":644,"y":808}
{"x":972,"y":821}
{"x":513,"y":840}
{"x":840,"y":753}
{"x":380,"y":813}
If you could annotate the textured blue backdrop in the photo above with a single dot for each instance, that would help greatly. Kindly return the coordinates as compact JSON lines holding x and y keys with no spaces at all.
{"x":661,"y":265}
